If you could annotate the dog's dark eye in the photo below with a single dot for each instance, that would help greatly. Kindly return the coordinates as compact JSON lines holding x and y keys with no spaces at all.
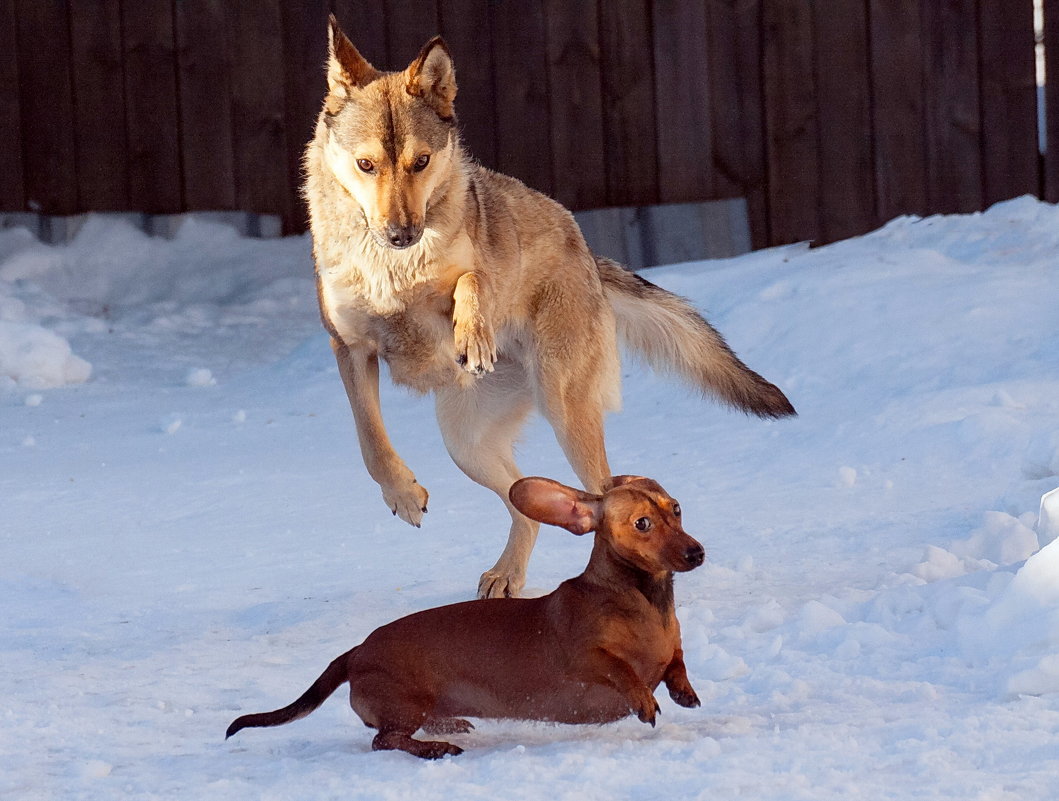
{"x":676,"y":510}
{"x":421,"y":162}
{"x":366,"y":165}
{"x":643,"y":524}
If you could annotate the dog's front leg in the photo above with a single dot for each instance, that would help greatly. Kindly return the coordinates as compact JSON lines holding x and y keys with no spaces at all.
{"x":676,"y":681}
{"x":359,"y":368}
{"x":471,"y":323}
{"x":619,"y":674}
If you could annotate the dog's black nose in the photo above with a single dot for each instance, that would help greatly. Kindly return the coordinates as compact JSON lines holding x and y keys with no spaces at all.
{"x":400,"y":236}
{"x":695,"y":555}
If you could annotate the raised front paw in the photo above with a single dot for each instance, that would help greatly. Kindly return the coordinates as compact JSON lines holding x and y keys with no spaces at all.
{"x":407,"y":499}
{"x":475,"y":344}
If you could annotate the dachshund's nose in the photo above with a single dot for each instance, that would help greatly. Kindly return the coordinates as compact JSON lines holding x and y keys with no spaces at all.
{"x":695,"y":555}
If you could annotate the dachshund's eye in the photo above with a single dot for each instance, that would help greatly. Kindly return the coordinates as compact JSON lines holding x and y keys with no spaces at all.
{"x":676,"y":510}
{"x":643,"y":524}
{"x":366,"y":165}
{"x":421,"y":162}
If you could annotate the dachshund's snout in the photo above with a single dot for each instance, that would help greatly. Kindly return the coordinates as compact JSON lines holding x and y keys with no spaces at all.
{"x":695,"y":555}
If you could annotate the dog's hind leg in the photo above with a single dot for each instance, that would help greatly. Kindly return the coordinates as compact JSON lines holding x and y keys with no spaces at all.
{"x":578,"y":378}
{"x":479,"y":425}
{"x":391,"y":740}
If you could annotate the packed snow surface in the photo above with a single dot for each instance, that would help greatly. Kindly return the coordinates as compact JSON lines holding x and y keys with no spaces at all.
{"x":187,"y":532}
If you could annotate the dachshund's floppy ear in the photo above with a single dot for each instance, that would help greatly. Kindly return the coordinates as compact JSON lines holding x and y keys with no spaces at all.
{"x":548,"y":501}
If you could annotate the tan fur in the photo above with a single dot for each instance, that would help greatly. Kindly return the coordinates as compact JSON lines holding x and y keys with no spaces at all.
{"x":477,"y":289}
{"x":592,"y":651}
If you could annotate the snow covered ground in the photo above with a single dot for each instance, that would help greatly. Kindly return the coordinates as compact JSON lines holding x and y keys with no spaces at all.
{"x":187,"y":532}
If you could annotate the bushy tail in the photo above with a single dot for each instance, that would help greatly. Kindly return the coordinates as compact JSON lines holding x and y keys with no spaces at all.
{"x":671,"y":336}
{"x":337,"y":673}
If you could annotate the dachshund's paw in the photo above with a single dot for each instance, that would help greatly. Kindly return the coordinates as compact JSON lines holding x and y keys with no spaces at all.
{"x":685,"y":696}
{"x":647,"y":707}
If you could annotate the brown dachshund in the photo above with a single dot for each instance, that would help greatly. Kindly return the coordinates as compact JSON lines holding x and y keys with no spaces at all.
{"x":592,"y":651}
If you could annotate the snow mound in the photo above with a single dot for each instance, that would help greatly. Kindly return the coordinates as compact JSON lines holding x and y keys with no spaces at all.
{"x":1048,"y":519}
{"x":207,"y":276}
{"x":1019,"y":629}
{"x":34,"y":357}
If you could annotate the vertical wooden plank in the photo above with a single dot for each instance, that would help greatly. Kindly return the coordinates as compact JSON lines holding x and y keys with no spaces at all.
{"x":628,"y":102}
{"x":791,"y":121}
{"x":1009,"y":99}
{"x":734,"y":47}
{"x":12,"y":186}
{"x":258,"y":107}
{"x":46,"y":106}
{"x":683,"y":124}
{"x":99,"y":106}
{"x":151,"y":112}
{"x":465,"y":26}
{"x":364,"y":22}
{"x":205,"y":105}
{"x":847,"y":177}
{"x":953,"y":121}
{"x":305,"y":54}
{"x":410,"y":24}
{"x":1051,"y":100}
{"x":522,"y":107}
{"x":578,"y":162}
{"x":898,"y":113}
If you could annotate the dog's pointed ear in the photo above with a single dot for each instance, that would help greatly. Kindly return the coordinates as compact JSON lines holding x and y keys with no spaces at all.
{"x":548,"y":501}
{"x":346,"y":67}
{"x":433,"y":77}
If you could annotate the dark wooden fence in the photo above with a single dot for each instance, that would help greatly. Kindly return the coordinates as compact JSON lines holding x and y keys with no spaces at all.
{"x":829,"y":116}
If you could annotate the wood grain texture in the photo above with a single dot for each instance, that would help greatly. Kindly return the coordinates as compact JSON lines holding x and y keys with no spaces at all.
{"x":580,"y":177}
{"x":259,"y":107}
{"x":899,"y":93}
{"x":739,"y":153}
{"x":843,"y":108}
{"x":204,"y":70}
{"x":1051,"y":100}
{"x":364,"y":22}
{"x":410,"y":24}
{"x":1009,"y":99}
{"x":305,"y":85}
{"x":97,"y":71}
{"x":953,"y":115}
{"x":466,"y":28}
{"x":523,"y":116}
{"x":791,"y":122}
{"x":628,"y":103}
{"x":682,"y":101}
{"x":46,"y":108}
{"x":12,"y":185}
{"x":152,"y":116}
